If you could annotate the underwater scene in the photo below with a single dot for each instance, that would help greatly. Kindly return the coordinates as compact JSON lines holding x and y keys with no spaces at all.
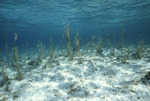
{"x":74,"y":50}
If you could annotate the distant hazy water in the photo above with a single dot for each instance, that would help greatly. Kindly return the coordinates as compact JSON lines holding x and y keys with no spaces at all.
{"x":38,"y":20}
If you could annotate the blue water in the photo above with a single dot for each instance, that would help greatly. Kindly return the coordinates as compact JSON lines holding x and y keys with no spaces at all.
{"x":38,"y":20}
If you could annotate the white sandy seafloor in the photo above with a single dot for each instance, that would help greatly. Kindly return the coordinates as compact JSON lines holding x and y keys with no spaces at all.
{"x":98,"y":78}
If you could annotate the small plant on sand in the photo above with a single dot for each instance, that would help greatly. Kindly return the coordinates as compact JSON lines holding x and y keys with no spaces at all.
{"x":77,"y":43}
{"x":28,"y":50}
{"x":125,"y":57}
{"x":7,"y":52}
{"x":92,"y":43}
{"x":108,"y":40}
{"x":77,"y":49}
{"x":70,"y":54}
{"x":51,"y":48}
{"x":121,"y":45}
{"x":41,"y":50}
{"x":139,"y":50}
{"x":99,"y":47}
{"x":5,"y":78}
{"x":17,"y":65}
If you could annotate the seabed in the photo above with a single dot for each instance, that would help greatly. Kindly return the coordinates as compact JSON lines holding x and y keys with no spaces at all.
{"x":109,"y":76}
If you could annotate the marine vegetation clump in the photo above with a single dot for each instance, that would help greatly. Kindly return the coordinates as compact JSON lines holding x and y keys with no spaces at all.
{"x":7,"y":53}
{"x":121,"y":57}
{"x":139,"y":50}
{"x":124,"y":51}
{"x":28,"y":50}
{"x":92,"y":43}
{"x":108,"y":40}
{"x":126,"y":56}
{"x":70,"y":54}
{"x":23,"y":53}
{"x":41,"y":50}
{"x":99,"y":47}
{"x":17,"y":65}
{"x":76,"y":49}
{"x":121,"y":43}
{"x":5,"y":77}
{"x":51,"y":53}
{"x":87,"y":47}
{"x":80,"y":60}
{"x":77,"y":43}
